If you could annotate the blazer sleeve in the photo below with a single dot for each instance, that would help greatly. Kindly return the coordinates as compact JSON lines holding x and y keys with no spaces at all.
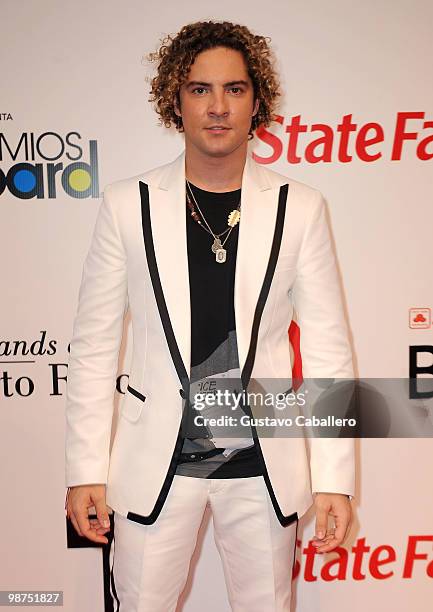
{"x":324,"y":344}
{"x":94,"y":351}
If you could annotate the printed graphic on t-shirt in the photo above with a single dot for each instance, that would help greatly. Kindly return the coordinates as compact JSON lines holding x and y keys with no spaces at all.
{"x":211,"y":451}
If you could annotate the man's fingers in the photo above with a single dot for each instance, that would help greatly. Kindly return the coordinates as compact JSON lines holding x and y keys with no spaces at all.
{"x":80,"y":499}
{"x":86,"y":530}
{"x":101,"y":512}
{"x":329,"y":534}
{"x":96,"y":526}
{"x":329,"y":544}
{"x":94,"y":535}
{"x":326,"y":539}
{"x":74,"y":522}
{"x":336,"y":535}
{"x":321,"y":523}
{"x":341,"y":526}
{"x":327,"y":547}
{"x":82,"y":519}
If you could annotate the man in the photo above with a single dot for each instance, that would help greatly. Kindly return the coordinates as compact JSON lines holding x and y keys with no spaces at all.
{"x":211,"y":253}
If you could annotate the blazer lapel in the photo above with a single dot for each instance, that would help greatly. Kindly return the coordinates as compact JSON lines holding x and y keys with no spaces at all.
{"x":168,"y":218}
{"x":259,"y":205}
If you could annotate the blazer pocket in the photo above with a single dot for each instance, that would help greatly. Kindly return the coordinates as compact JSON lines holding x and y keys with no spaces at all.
{"x":133,"y":404}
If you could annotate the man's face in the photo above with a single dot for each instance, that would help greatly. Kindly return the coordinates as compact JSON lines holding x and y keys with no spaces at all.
{"x":217,"y":92}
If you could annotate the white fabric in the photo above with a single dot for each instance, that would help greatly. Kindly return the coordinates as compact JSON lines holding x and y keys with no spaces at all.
{"x":150,"y":563}
{"x":116,"y":277}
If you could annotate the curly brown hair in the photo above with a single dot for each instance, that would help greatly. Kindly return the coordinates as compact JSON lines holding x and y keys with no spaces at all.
{"x":176,"y":55}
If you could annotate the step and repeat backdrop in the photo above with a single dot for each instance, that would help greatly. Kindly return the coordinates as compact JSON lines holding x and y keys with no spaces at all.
{"x":356,"y":122}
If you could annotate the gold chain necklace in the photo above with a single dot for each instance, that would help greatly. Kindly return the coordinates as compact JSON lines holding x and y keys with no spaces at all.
{"x":233,"y":218}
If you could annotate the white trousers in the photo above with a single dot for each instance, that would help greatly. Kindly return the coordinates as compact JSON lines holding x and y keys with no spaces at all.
{"x":150,"y":563}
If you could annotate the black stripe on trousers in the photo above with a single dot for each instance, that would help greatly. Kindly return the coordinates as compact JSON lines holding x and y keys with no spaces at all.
{"x":115,"y":603}
{"x":294,"y":551}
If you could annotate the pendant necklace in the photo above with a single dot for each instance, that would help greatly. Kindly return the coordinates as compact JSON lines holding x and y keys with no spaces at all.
{"x":233,"y":218}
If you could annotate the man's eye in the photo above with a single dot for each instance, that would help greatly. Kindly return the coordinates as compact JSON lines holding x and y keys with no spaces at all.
{"x":238,"y":88}
{"x":198,"y":88}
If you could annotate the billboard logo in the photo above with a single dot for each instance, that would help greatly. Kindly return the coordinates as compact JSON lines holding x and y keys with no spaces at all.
{"x":40,"y":173}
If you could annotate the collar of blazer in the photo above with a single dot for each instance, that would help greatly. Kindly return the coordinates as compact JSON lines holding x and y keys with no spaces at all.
{"x":259,"y":204}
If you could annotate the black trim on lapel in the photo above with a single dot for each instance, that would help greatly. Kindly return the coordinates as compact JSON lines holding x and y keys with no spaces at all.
{"x":177,"y":358}
{"x":174,"y":351}
{"x":249,"y":362}
{"x":157,"y":288}
{"x":264,"y":291}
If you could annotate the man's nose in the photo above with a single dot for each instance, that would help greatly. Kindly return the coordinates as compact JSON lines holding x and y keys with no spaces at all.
{"x":218,"y":104}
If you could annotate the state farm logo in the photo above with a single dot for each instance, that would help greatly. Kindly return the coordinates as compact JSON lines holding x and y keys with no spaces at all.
{"x":347,"y":141}
{"x":363,"y":562}
{"x":419,"y":318}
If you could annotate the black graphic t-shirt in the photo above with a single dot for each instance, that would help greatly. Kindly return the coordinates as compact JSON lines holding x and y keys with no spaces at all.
{"x":208,"y":451}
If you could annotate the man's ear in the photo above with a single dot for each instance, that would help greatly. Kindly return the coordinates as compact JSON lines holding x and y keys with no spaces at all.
{"x":176,"y":105}
{"x":256,"y":107}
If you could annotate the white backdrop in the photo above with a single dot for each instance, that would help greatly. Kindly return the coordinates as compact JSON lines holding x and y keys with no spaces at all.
{"x":76,"y":69}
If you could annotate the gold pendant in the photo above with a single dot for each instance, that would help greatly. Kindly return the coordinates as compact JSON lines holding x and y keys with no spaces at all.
{"x":216,"y":245}
{"x":234,"y":217}
{"x":220,"y":255}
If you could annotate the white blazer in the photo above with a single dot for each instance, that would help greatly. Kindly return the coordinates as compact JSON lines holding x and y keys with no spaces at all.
{"x":138,"y":259}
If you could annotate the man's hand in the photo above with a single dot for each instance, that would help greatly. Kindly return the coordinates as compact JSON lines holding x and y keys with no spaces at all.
{"x":338,"y":506}
{"x":78,"y":501}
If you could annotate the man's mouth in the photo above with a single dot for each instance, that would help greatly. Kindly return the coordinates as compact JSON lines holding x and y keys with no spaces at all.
{"x":217,"y":128}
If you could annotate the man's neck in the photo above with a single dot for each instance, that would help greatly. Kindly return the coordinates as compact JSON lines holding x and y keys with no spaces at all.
{"x":216,"y":174}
